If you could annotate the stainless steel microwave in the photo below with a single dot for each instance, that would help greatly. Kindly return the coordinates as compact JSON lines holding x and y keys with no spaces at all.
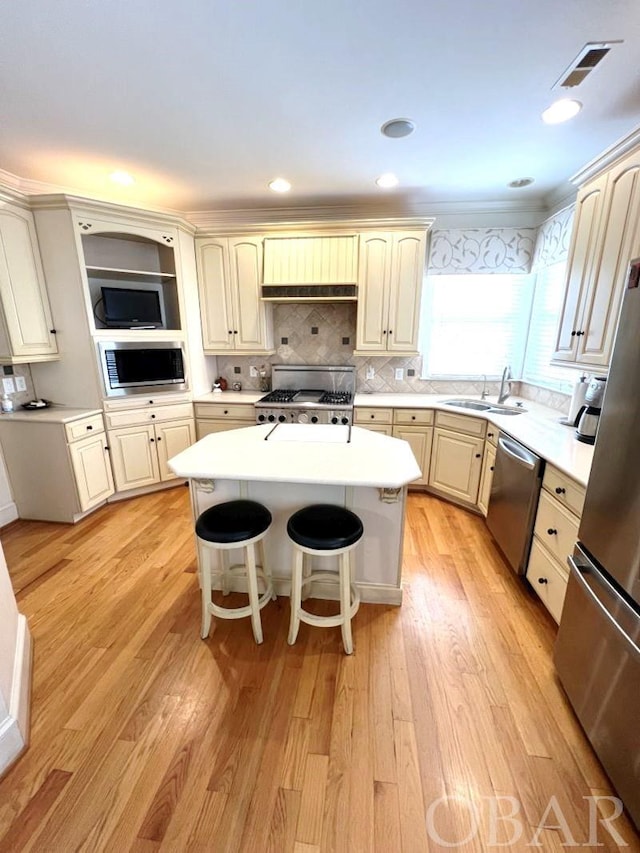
{"x":139,"y":368}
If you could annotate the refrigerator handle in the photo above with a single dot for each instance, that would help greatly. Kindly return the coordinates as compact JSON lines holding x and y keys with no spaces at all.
{"x":578,"y":573}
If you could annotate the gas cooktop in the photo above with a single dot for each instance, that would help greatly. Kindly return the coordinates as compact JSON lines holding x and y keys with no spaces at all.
{"x":306,"y":393}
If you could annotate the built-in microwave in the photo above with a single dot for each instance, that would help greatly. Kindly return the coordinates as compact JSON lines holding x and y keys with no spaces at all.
{"x":139,"y":368}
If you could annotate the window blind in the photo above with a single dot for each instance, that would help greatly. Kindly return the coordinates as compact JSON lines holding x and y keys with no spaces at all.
{"x":543,"y":329}
{"x":474,"y":324}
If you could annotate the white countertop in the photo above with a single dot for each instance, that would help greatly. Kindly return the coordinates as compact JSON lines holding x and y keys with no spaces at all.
{"x":51,"y":415}
{"x":369,"y":459}
{"x":538,"y":428}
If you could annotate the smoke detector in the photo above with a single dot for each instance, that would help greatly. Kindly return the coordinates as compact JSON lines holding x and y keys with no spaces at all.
{"x":589,"y":58}
{"x":396,"y":128}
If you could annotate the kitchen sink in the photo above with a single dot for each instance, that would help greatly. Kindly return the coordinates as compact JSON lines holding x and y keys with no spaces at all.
{"x":478,"y":406}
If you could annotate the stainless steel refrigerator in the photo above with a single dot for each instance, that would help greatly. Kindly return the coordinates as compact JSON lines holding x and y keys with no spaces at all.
{"x":597,"y":651}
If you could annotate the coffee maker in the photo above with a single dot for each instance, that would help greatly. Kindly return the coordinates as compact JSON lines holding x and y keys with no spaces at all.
{"x":589,"y":415}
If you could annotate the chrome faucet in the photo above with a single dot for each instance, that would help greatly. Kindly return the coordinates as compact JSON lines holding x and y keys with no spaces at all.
{"x":485,"y":393}
{"x":505,"y":385}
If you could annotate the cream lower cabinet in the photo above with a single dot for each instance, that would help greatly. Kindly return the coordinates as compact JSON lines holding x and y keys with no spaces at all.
{"x":555,"y":535}
{"x":456,"y":456}
{"x":26,"y":327}
{"x":377,"y":420}
{"x":415,"y":427}
{"x":59,"y":469}
{"x":219,"y":417}
{"x":486,"y":478}
{"x":139,"y":454}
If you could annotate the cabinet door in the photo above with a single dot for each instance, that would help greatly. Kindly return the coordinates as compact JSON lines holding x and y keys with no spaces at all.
{"x":216,"y":311}
{"x":172,"y":438}
{"x":405,"y":290}
{"x":420,"y":440}
{"x":486,"y":479}
{"x":208,"y":427}
{"x":580,"y":267}
{"x":92,"y":470}
{"x":134,"y":457}
{"x":374,"y":271}
{"x":619,"y":242}
{"x":252,"y":330}
{"x":456,"y":462}
{"x":25,"y":303}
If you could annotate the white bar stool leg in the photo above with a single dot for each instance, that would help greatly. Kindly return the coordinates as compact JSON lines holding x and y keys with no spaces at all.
{"x":345,"y":601}
{"x":223,"y":557}
{"x":296,"y":595}
{"x":252,"y":584}
{"x":266,"y":569}
{"x":205,"y":590}
{"x":306,"y":574}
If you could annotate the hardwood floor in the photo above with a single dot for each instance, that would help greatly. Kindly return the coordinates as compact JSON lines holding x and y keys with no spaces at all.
{"x":146,"y":738}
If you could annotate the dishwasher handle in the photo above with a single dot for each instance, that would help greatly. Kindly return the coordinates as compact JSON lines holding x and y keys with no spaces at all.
{"x":516,"y":451}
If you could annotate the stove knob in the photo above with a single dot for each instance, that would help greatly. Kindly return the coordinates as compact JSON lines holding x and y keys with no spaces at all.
{"x":272,"y":418}
{"x":334,"y":420}
{"x":303,"y":418}
{"x":281,"y":418}
{"x":314,"y":420}
{"x":261,"y":418}
{"x":345,"y":420}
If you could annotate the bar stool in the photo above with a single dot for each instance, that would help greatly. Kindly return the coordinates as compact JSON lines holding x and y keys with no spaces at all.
{"x":234,"y":524}
{"x":322,"y":530}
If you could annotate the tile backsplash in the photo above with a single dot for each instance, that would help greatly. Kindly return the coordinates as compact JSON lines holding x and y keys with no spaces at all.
{"x":325,"y":333}
{"x":12,"y":371}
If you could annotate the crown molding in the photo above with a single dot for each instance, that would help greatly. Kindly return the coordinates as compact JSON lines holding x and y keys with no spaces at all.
{"x":96,"y":207}
{"x":559,"y":199}
{"x":607,"y":158}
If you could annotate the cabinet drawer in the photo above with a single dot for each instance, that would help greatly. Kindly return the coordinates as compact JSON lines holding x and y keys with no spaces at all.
{"x":207,"y":427}
{"x":149,"y":416}
{"x":563,"y":489}
{"x":546,"y":579}
{"x":233,"y":412}
{"x":141,"y":401}
{"x":556,"y":527}
{"x":461,"y":423}
{"x":84,"y":427}
{"x":366,"y":416}
{"x":412,"y":417}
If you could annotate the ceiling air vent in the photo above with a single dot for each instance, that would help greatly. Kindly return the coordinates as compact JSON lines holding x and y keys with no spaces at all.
{"x":589,"y":57}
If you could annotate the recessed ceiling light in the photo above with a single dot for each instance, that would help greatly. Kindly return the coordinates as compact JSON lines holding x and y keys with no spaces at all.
{"x":387,"y":181}
{"x":396,"y":128}
{"x":520,"y":182}
{"x":122,"y":178}
{"x":561,"y":110}
{"x":279,"y":185}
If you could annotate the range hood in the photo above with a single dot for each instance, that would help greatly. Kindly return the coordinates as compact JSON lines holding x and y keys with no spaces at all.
{"x":317,"y":268}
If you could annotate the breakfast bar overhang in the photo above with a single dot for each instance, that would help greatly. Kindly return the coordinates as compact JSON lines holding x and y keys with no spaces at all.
{"x":290,"y":466}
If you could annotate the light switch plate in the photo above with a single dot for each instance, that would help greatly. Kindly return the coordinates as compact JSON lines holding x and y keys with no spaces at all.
{"x":370,"y":372}
{"x":399,"y":373}
{"x":21,"y":384}
{"x":8,"y":385}
{"x":253,"y":372}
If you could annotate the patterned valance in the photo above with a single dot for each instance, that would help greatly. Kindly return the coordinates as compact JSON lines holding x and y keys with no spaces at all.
{"x":554,"y":235}
{"x":481,"y":250}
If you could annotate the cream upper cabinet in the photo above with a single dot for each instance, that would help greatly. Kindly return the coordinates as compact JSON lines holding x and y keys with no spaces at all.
{"x":26,"y":327}
{"x":390,"y":273}
{"x":606,"y":237}
{"x":311,"y":259}
{"x":456,"y":463}
{"x":234,"y":319}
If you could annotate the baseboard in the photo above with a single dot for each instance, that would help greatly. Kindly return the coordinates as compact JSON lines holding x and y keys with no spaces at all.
{"x":14,"y":729}
{"x":370,"y":593}
{"x":145,"y":490}
{"x":8,"y":513}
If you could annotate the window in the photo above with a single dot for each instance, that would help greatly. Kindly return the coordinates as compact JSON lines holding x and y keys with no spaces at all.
{"x":543,"y":327}
{"x":475,"y":324}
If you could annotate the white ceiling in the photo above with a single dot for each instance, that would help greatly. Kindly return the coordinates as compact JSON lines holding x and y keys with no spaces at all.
{"x":205,"y":101}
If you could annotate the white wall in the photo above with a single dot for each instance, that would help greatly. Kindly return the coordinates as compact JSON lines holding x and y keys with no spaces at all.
{"x":8,"y":509}
{"x":15,"y":673}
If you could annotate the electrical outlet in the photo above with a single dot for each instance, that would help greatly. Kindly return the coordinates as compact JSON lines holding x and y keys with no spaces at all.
{"x":21,"y":384}
{"x":370,"y":372}
{"x":399,"y":374}
{"x":8,"y":385}
{"x":253,"y":372}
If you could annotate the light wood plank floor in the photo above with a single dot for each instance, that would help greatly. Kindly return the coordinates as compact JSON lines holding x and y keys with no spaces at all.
{"x":146,"y":738}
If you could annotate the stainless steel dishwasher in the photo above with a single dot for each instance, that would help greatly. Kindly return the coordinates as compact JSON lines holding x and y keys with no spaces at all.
{"x":514,"y":499}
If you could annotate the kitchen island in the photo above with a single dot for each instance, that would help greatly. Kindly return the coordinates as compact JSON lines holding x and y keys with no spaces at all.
{"x":290,"y":466}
